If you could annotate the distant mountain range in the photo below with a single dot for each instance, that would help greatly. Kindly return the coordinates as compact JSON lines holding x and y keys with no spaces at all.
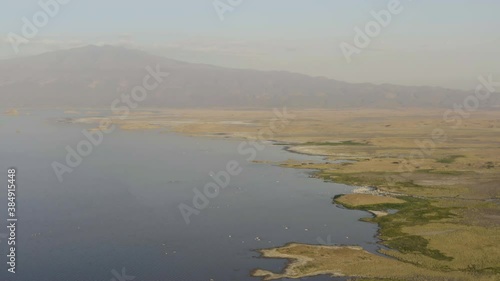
{"x":94,"y":76}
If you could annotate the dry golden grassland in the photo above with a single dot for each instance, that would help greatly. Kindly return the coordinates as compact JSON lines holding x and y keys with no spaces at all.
{"x":445,"y":178}
{"x":309,"y":260}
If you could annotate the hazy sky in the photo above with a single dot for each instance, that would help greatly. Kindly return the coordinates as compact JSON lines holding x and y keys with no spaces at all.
{"x":445,"y":43}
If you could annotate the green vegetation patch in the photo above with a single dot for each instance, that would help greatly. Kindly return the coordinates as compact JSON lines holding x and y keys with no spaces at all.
{"x":449,"y":159}
{"x":370,"y":178}
{"x":415,"y":211}
{"x":409,"y":183}
{"x":444,"y":172}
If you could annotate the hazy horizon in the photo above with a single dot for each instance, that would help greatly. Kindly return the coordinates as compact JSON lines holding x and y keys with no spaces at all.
{"x":221,"y":65}
{"x":420,"y":46}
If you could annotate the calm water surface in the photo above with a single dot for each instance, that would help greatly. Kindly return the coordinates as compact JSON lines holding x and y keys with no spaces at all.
{"x":119,"y":208}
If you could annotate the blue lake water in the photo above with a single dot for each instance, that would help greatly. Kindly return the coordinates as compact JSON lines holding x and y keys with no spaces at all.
{"x":119,"y":209}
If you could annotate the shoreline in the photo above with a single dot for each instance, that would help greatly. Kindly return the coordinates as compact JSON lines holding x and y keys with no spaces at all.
{"x":429,"y":211}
